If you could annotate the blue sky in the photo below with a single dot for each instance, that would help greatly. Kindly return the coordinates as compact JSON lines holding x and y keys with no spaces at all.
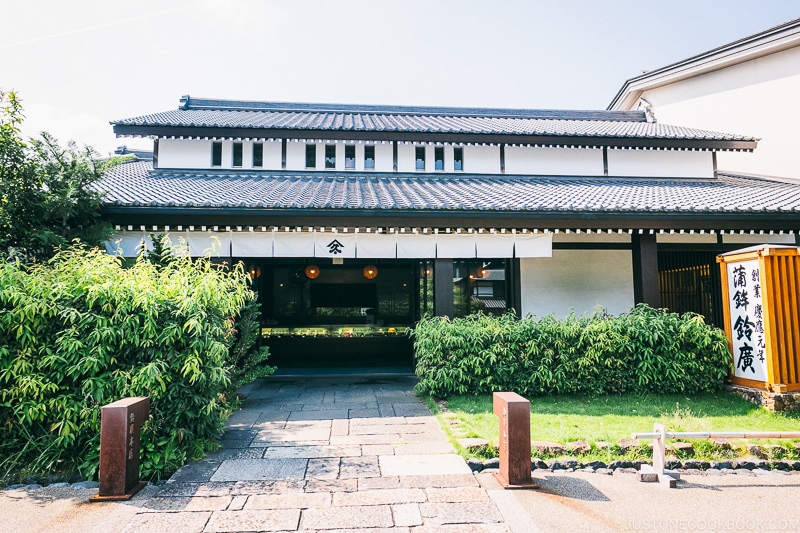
{"x":77,"y":69}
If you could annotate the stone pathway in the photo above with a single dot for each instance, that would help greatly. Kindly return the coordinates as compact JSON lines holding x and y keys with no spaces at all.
{"x":326,"y":455}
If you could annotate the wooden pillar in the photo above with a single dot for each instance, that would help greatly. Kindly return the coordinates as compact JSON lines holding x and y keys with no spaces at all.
{"x":443,"y":287}
{"x":645,"y":270}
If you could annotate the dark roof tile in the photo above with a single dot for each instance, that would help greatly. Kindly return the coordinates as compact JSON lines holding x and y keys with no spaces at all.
{"x":138,"y":184}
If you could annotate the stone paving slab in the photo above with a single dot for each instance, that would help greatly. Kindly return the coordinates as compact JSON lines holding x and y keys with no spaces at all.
{"x":357,"y":467}
{"x":184,"y":522}
{"x":188,"y":503}
{"x":289,"y":501}
{"x":326,"y":456}
{"x":418,"y":465}
{"x":348,"y":517}
{"x":312,"y":452}
{"x":252,"y":469}
{"x":461,"y":513}
{"x":265,"y":520}
{"x":379,"y":497}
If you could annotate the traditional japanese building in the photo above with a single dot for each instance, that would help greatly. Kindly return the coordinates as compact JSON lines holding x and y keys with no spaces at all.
{"x":355,"y":221}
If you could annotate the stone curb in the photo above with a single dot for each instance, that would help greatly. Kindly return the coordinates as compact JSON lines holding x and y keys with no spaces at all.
{"x":689,"y":466}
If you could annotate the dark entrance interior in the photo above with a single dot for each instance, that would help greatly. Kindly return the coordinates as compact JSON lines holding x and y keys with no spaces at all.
{"x":316,"y":314}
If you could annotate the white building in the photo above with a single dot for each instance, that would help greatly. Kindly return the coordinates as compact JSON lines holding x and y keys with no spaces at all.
{"x":357,"y":220}
{"x":748,"y":86}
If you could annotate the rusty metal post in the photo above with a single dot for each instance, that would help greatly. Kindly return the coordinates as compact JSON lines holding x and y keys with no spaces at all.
{"x":120,"y":428}
{"x":514,"y":413}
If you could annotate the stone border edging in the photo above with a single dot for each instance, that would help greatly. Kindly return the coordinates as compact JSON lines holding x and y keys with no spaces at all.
{"x":688,"y":466}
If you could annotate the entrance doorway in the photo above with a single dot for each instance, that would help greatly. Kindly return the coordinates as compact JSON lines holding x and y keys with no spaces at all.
{"x":358,"y":313}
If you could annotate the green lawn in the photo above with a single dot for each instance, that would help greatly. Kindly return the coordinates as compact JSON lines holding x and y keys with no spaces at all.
{"x":563,"y":419}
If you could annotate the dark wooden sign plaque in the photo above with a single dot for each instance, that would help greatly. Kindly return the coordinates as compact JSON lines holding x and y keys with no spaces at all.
{"x":514,"y":413}
{"x":120,"y":428}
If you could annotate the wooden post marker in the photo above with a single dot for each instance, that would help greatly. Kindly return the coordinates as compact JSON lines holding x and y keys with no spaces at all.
{"x":514,"y":413}
{"x":120,"y":427}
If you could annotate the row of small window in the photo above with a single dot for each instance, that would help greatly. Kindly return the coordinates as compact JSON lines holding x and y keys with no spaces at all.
{"x":349,"y":156}
{"x":236,"y":159}
{"x":330,"y":156}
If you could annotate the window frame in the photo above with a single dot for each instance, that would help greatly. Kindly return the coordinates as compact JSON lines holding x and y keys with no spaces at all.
{"x":458,"y":159}
{"x":311,"y":155}
{"x":438,"y":162}
{"x":237,"y":147}
{"x":417,"y":159}
{"x":216,"y":154}
{"x":258,"y":159}
{"x":370,"y":148}
{"x":330,"y":160}
{"x":349,"y":162}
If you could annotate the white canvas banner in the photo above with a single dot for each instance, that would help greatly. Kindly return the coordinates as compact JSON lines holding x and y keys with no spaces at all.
{"x":416,"y":246}
{"x":455,"y":245}
{"x":293,"y":244}
{"x":251,"y":244}
{"x":747,"y":320}
{"x":533,"y":245}
{"x":495,"y":245}
{"x":213,"y":244}
{"x":335,"y":245}
{"x":129,"y":244}
{"x":376,"y":245}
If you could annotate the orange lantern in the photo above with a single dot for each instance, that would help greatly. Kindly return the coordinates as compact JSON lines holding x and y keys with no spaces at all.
{"x":312,"y":271}
{"x":370,"y":271}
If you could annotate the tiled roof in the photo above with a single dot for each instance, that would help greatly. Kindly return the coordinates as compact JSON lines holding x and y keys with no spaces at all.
{"x":137,"y":184}
{"x":205,"y":113}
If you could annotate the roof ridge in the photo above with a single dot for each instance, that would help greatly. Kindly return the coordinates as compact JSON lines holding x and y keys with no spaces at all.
{"x":187,"y":102}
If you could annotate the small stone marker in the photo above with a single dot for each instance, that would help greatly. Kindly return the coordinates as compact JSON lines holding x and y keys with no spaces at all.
{"x":120,"y":427}
{"x":514,"y":413}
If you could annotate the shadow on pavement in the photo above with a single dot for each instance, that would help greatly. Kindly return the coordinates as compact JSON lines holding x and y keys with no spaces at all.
{"x":570,"y":487}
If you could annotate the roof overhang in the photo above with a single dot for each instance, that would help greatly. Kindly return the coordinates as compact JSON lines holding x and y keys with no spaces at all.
{"x":651,"y":220}
{"x":768,"y":42}
{"x":122,"y":130}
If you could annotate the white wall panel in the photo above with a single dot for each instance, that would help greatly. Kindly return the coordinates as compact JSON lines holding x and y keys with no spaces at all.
{"x":482,"y":159}
{"x":554,"y":161}
{"x":579,"y":280}
{"x":660,"y":163}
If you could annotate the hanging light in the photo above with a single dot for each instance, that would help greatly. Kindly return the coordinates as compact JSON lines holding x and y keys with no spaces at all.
{"x":312,"y":271}
{"x":254,"y":271}
{"x":370,"y":271}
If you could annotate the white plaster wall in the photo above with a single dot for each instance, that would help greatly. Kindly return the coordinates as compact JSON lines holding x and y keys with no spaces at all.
{"x":693,"y":238}
{"x":591,"y":237}
{"x":185,"y":153}
{"x":384,"y":158}
{"x":481,"y":159}
{"x":296,"y":155}
{"x":664,"y":163}
{"x":406,"y":158}
{"x":751,"y":240}
{"x":554,"y":161}
{"x":756,"y":98}
{"x":579,"y":280}
{"x":272,"y":155}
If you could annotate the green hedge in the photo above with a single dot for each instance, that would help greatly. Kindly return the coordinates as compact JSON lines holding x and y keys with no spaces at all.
{"x":81,"y":331}
{"x":643,"y":350}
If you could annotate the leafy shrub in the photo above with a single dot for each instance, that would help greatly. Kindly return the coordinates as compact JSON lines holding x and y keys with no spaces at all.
{"x":643,"y":350}
{"x":80,"y":331}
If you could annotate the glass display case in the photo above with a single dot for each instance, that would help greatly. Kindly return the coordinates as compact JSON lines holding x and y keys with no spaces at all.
{"x":334,"y":331}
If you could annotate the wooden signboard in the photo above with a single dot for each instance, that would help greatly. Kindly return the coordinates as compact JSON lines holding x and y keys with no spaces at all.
{"x":761,"y":295}
{"x":514,"y":414}
{"x":120,"y":429}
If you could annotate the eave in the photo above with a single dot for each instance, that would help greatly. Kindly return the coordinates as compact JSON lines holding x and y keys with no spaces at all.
{"x":540,"y":140}
{"x":655,"y":220}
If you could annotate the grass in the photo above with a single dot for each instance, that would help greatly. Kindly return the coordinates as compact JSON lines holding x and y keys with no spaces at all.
{"x":563,"y":419}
